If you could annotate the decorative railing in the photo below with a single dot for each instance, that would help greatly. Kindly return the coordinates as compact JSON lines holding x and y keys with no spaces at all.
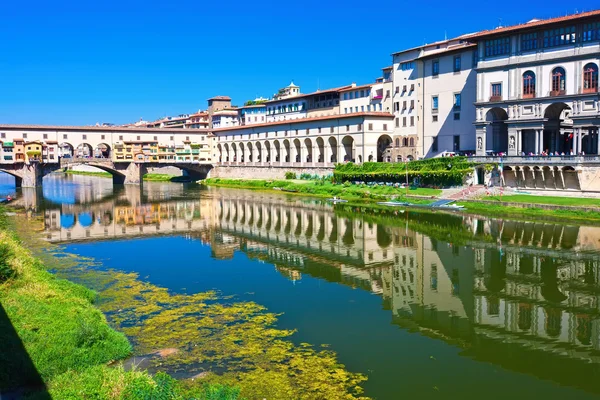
{"x":536,"y":159}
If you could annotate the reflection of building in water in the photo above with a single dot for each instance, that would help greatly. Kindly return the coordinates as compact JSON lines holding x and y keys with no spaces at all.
{"x":528,"y":285}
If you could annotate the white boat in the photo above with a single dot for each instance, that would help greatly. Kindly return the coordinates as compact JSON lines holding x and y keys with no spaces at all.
{"x":337,"y":200}
{"x":392,"y":203}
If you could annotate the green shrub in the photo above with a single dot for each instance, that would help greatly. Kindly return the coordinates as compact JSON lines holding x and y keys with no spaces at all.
{"x":290,"y":175}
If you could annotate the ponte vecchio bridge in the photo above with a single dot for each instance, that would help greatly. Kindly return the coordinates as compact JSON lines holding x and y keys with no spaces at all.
{"x":31,"y":152}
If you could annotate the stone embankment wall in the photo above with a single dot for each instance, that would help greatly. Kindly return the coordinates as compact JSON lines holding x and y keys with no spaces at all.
{"x":266,"y":172}
{"x":533,"y":205}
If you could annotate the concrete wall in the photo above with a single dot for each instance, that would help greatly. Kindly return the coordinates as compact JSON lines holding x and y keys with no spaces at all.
{"x":263,"y":172}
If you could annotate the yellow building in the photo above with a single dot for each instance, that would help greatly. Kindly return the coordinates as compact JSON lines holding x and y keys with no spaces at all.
{"x":19,"y":150}
{"x":33,"y":151}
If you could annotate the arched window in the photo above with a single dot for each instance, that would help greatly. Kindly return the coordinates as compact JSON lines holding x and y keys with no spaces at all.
{"x":405,"y":142}
{"x":528,"y":84}
{"x":558,"y":81}
{"x":590,"y":78}
{"x":397,"y":142}
{"x":412,"y":142}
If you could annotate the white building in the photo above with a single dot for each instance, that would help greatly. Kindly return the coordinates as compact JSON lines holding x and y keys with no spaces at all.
{"x":446,"y":90}
{"x":225,"y":118}
{"x":253,"y":114}
{"x":537,"y":87}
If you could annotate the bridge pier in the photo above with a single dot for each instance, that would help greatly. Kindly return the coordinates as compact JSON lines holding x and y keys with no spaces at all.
{"x":129,"y":174}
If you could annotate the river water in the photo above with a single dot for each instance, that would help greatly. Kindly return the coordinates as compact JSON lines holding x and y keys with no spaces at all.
{"x":424,"y":304}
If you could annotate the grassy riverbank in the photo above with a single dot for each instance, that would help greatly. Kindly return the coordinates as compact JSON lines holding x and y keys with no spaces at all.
{"x":147,"y":177}
{"x":56,"y":342}
{"x":552,"y":200}
{"x":532,"y":214}
{"x":323,"y":188}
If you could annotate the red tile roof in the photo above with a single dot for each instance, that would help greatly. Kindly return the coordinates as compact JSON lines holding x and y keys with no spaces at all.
{"x":535,"y":23}
{"x":337,"y":89}
{"x":97,"y":128}
{"x":368,"y":85}
{"x":220,"y":98}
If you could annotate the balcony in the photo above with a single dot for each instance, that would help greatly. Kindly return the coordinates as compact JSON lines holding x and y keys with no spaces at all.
{"x":554,"y":93}
{"x":589,"y":90}
{"x":495,"y":98}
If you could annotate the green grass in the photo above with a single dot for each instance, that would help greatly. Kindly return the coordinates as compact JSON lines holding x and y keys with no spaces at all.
{"x":89,"y":173}
{"x":159,"y":177}
{"x":534,"y":214}
{"x":52,"y":335}
{"x":324,"y":189}
{"x":560,"y":201}
{"x":147,"y":177}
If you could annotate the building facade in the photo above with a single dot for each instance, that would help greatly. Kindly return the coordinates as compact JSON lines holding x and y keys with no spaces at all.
{"x":537,"y":87}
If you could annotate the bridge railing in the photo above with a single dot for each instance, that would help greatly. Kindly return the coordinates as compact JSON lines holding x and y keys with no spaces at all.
{"x":546,"y":160}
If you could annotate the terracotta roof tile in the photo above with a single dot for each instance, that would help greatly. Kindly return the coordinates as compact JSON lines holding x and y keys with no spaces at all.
{"x":535,"y":23}
{"x":98,"y":128}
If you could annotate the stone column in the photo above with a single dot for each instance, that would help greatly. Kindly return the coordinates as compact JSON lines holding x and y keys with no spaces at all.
{"x":519,"y":141}
{"x":537,"y":142}
{"x":30,"y":176}
{"x":540,"y":134}
{"x":579,"y":139}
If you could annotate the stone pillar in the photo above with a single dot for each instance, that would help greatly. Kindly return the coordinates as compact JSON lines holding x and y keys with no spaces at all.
{"x":537,"y":143}
{"x":132,"y":175}
{"x":540,"y":134}
{"x":480,"y":140}
{"x":519,"y":141}
{"x":579,"y":138}
{"x":31,"y":176}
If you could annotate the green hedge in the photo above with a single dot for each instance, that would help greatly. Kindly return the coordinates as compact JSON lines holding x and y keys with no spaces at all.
{"x":447,"y":171}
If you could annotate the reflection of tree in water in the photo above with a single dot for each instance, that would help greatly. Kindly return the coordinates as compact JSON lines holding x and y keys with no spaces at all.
{"x":550,"y":291}
{"x":384,"y":239}
{"x":526,"y":265}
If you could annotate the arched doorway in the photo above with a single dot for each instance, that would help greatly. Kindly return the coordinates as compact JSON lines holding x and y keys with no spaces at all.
{"x":333,"y":147}
{"x":220,"y":148}
{"x":309,"y":150}
{"x":102,"y":151}
{"x":286,"y":151}
{"x":250,"y":157}
{"x":84,"y":150}
{"x":66,"y":150}
{"x":277,"y":147}
{"x":297,"y":151}
{"x":268,"y":151}
{"x":226,"y":146}
{"x":384,"y":149}
{"x":498,"y":133}
{"x":348,"y":146}
{"x":558,"y":129}
{"x":259,"y":157}
{"x":234,"y":151}
{"x":320,"y":150}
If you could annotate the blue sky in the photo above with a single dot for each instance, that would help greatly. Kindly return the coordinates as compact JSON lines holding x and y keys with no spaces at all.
{"x":78,"y":63}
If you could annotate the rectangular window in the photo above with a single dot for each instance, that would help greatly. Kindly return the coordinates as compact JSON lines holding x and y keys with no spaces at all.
{"x":434,"y":145}
{"x":345,"y":96}
{"x":412,"y":121}
{"x":403,"y":121}
{"x":397,"y":90}
{"x":370,"y":127}
{"x":171,"y":138}
{"x":591,"y":32}
{"x":45,"y":136}
{"x":362,"y":108}
{"x":529,"y":41}
{"x":155,"y":138}
{"x":3,"y":135}
{"x":457,"y":101}
{"x":496,"y":92}
{"x":457,"y":63}
{"x":385,"y":127}
{"x":397,"y":122}
{"x":24,"y":136}
{"x":497,"y":47}
{"x":387,"y":94}
{"x":456,"y":116}
{"x":434,"y":118}
{"x":345,"y":110}
{"x":351,"y":95}
{"x":319,"y":129}
{"x":307,"y":131}
{"x":403,"y":88}
{"x":559,"y":36}
{"x":434,"y":102}
{"x":412,"y":87}
{"x":359,"y":127}
{"x":412,"y":104}
{"x":121,"y":138}
{"x":435,"y":68}
{"x":396,"y":106}
{"x":356,"y":109}
{"x":347,"y":128}
{"x":404,"y":105}
{"x":330,"y":130}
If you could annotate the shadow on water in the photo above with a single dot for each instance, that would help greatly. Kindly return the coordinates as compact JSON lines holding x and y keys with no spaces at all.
{"x":18,"y":375}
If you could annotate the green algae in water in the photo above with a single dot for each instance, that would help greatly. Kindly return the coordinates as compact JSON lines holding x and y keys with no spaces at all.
{"x":217,"y":339}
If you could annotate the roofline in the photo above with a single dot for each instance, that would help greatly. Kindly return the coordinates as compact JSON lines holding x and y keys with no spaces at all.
{"x":301,"y":120}
{"x":536,"y":24}
{"x":447,"y":51}
{"x":97,"y":128}
{"x":318,"y":92}
{"x":358,"y":87}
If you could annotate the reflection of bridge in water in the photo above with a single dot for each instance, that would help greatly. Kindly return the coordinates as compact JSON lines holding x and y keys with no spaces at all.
{"x":527,"y":287}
